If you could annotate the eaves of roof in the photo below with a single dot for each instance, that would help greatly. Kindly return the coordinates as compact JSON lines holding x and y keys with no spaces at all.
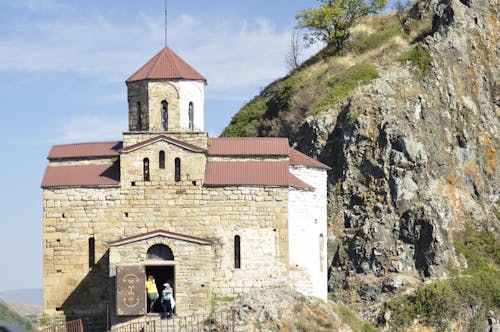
{"x":163,"y":233}
{"x":297,"y":158}
{"x":85,"y":150}
{"x":181,"y":144}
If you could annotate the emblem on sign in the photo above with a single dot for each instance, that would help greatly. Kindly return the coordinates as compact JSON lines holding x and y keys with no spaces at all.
{"x":131,"y":299}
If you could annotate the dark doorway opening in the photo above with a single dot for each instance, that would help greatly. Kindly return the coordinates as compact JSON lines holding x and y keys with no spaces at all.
{"x":161,"y":274}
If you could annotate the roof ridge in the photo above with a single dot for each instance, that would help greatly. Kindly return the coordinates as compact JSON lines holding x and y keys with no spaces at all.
{"x":171,"y":62}
{"x":167,"y":138}
{"x":155,"y":59}
{"x":81,"y":143}
{"x":144,"y":65}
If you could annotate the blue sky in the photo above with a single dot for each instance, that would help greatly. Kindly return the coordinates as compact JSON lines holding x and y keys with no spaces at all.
{"x":63,"y":66}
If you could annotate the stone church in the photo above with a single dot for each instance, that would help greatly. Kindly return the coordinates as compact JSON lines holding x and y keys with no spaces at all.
{"x":214,"y":217}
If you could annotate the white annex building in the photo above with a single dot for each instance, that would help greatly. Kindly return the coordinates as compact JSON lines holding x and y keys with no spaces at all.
{"x":214,"y":217}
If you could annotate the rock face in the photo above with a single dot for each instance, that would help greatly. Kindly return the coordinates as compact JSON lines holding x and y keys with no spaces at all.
{"x":414,"y":156}
{"x":412,"y":144}
{"x":282,"y":309}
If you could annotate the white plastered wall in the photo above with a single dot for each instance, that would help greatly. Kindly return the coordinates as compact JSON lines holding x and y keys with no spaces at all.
{"x":192,"y":91}
{"x":308,"y":230}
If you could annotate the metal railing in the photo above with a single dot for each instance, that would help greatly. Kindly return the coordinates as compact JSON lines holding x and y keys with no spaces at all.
{"x":71,"y":326}
{"x":223,"y":321}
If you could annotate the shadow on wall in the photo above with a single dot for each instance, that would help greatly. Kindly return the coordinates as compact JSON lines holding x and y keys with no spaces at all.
{"x":89,"y":300}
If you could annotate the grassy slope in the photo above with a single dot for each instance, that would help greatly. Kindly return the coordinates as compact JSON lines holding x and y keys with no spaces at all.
{"x":322,"y":82}
{"x":11,"y":317}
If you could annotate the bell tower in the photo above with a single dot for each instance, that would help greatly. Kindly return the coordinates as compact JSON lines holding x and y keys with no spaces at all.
{"x":166,"y":97}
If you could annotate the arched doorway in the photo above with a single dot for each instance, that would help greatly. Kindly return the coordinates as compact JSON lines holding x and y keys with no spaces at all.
{"x":161,"y":266}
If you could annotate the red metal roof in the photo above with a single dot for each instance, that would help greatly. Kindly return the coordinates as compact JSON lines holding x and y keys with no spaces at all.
{"x":81,"y":176}
{"x":295,"y":182}
{"x":249,"y":146}
{"x":265,"y":173}
{"x":297,"y":158}
{"x":166,"y":65}
{"x":78,"y":150}
{"x":172,"y":140}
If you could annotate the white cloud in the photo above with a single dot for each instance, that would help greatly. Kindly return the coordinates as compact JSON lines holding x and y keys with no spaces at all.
{"x":237,"y":56}
{"x":35,"y":5}
{"x":90,"y":128}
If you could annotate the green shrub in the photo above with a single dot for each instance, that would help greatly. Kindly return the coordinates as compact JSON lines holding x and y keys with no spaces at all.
{"x":418,"y":56}
{"x":349,"y":318}
{"x":244,"y":122}
{"x":346,"y":81}
{"x":354,"y":115}
{"x":438,"y":303}
{"x":280,"y":99}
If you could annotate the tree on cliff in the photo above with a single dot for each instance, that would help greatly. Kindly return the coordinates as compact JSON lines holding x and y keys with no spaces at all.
{"x":330,"y":23}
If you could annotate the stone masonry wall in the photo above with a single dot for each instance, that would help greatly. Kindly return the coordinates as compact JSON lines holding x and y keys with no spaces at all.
{"x":308,"y":224}
{"x":72,"y":215}
{"x":192,"y":165}
{"x":193,"y":271}
{"x":137,"y":92}
{"x":178,"y":95}
{"x":158,"y":92}
{"x":192,"y":92}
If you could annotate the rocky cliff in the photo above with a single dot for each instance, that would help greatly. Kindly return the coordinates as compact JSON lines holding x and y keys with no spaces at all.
{"x":408,"y":117}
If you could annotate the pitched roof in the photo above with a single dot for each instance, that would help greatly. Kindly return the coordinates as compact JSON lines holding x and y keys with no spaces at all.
{"x":78,"y":150}
{"x":166,"y":65}
{"x":171,"y":140}
{"x":249,"y":146}
{"x":265,"y":173}
{"x":81,"y":176}
{"x":297,"y":158}
{"x":160,"y":232}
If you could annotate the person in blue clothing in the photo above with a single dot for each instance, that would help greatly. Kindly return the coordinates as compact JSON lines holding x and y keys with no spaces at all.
{"x":167,"y":301}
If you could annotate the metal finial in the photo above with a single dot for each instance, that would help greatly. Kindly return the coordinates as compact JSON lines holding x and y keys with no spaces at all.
{"x":166,"y":23}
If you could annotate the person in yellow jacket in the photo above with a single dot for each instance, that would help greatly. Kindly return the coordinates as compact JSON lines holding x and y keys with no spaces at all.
{"x":152,"y":292}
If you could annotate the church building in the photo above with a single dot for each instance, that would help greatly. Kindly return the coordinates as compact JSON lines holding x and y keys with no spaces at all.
{"x":214,"y":217}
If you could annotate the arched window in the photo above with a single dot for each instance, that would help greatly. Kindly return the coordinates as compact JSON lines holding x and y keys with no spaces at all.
{"x":160,"y":251}
{"x":146,"y":169}
{"x":91,"y":252}
{"x":237,"y":253}
{"x":139,"y":117}
{"x":191,"y":116}
{"x":162,"y":160}
{"x":177,"y":169}
{"x":164,"y":115}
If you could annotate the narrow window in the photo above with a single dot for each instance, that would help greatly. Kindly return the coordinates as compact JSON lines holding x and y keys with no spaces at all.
{"x":91,"y":252}
{"x":139,"y":117}
{"x":321,"y":251}
{"x":164,"y":115}
{"x":146,"y":169}
{"x":191,"y":116}
{"x":237,"y":256}
{"x":162,"y":159}
{"x":177,"y":169}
